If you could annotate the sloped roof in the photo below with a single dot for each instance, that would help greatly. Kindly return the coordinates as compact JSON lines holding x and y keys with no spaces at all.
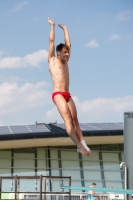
{"x":50,"y":130}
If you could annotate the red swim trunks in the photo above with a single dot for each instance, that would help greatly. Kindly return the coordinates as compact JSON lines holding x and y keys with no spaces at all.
{"x":66,"y":95}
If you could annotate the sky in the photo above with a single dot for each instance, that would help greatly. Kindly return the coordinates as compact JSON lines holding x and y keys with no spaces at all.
{"x":101,"y":63}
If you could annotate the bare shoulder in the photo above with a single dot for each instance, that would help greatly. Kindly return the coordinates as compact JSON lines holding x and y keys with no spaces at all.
{"x":52,"y":61}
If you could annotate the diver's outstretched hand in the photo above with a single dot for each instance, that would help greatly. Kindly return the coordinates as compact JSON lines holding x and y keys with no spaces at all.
{"x":62,"y":26}
{"x":51,"y":22}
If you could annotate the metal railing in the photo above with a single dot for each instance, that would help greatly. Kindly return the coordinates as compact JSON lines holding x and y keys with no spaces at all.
{"x":42,"y":194}
{"x":77,"y":196}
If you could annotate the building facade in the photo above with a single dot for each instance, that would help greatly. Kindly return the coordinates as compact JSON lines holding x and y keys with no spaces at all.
{"x":32,"y":150}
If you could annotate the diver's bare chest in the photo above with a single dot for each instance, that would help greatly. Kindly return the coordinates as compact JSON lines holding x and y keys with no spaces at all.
{"x":60,"y":68}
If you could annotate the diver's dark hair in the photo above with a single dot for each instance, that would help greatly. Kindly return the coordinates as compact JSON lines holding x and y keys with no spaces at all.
{"x":61,"y":46}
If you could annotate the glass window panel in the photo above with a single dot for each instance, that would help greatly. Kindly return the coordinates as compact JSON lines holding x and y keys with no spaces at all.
{"x":112,"y":175}
{"x":91,"y":165}
{"x":55,"y":170}
{"x":115,"y":184}
{"x":122,"y":156}
{"x":76,"y":184}
{"x":5,"y":169}
{"x":56,"y":184}
{"x":41,"y":153}
{"x":69,"y":155}
{"x":41,"y":162}
{"x":95,"y":157}
{"x":91,"y":169}
{"x":7,"y":185}
{"x":89,"y":183}
{"x":108,"y":161}
{"x":71,"y":166}
{"x":54,"y":162}
{"x":5,"y":154}
{"x":92,"y":175}
{"x":110,"y":156}
{"x":111,"y":166}
{"x":110,"y":147}
{"x":24,"y":165}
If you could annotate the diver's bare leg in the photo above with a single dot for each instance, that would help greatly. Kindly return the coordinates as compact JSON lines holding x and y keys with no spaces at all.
{"x":66,"y":115}
{"x":78,"y":131}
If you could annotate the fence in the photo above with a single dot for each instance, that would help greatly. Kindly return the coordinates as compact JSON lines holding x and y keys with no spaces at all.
{"x":43,"y":194}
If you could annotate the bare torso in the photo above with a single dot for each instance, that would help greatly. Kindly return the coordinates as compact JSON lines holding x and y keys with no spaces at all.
{"x":60,"y":75}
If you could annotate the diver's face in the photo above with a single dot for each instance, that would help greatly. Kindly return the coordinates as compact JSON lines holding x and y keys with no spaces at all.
{"x":64,"y":54}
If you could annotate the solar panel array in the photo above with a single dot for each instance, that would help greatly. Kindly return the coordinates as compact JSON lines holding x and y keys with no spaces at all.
{"x":23,"y":129}
{"x":57,"y":130}
{"x":97,"y":126}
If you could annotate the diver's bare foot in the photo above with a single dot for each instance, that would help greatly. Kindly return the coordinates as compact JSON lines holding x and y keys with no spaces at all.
{"x":85,"y":145}
{"x":83,"y":151}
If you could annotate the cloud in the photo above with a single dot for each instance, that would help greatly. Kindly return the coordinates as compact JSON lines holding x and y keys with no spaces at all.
{"x":92,"y":44}
{"x":15,"y":98}
{"x":30,"y":60}
{"x":36,"y":18}
{"x":124,"y":16}
{"x":1,"y":53}
{"x":10,"y":79}
{"x":114,"y":37}
{"x":2,"y":123}
{"x":98,"y":110}
{"x":129,"y":36}
{"x":13,"y":79}
{"x":19,"y":6}
{"x":53,"y":115}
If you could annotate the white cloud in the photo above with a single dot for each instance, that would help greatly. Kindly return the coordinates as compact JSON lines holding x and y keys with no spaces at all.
{"x":36,"y":18}
{"x":30,"y":60}
{"x":93,"y":44}
{"x":129,"y":36}
{"x":19,"y":6}
{"x":53,"y":115}
{"x":114,"y":37}
{"x":15,"y":98}
{"x":11,"y":79}
{"x":2,"y":123}
{"x":124,"y":16}
{"x":1,"y":53}
{"x":98,"y":110}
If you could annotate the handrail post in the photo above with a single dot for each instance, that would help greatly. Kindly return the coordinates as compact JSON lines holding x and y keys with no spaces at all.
{"x":41,"y":187}
{"x":69,"y":189}
{"x":45,"y":189}
{"x":0,"y":186}
{"x":16,"y":187}
{"x":123,"y":164}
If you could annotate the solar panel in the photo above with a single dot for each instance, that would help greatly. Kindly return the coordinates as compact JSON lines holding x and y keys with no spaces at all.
{"x":42,"y":128}
{"x":121,"y":124}
{"x":113,"y":126}
{"x":4,"y":130}
{"x":96,"y":126}
{"x":60,"y":125}
{"x":86,"y":127}
{"x":38,"y":128}
{"x":19,"y":129}
{"x":101,"y":126}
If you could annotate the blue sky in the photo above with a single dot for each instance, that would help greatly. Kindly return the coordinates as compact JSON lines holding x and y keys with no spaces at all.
{"x":101,"y":63}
